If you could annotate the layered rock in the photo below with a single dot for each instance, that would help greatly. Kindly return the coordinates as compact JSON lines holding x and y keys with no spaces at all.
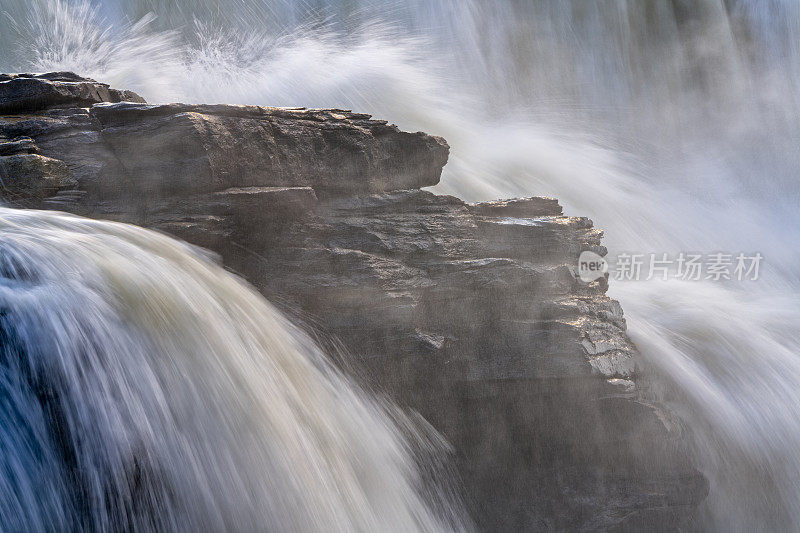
{"x":32,"y":92}
{"x":470,"y":314}
{"x":207,"y":148}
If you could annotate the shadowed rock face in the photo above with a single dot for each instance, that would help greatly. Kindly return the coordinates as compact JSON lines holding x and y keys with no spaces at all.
{"x":33,"y":92}
{"x":470,"y":314}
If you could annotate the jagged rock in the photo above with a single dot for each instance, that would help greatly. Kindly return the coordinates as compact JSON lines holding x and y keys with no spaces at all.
{"x":25,"y":93}
{"x":205,"y":149}
{"x":519,"y":207}
{"x":21,"y":145}
{"x":470,"y":314}
{"x":492,"y":338}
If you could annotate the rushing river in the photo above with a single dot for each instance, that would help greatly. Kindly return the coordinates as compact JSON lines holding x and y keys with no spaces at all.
{"x":673,"y":124}
{"x":144,"y":388}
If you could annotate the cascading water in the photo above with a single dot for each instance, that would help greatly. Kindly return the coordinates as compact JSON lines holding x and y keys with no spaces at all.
{"x":673,"y":124}
{"x":145,"y":388}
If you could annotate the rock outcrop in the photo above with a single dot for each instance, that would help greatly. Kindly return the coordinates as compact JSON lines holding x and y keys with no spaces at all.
{"x":470,"y":314}
{"x":20,"y":93}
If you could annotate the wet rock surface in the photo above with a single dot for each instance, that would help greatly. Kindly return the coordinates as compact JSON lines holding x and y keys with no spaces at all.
{"x":470,"y":314}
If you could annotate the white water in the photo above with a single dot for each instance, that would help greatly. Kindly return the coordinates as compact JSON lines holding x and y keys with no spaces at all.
{"x":674,"y":125}
{"x":145,"y":388}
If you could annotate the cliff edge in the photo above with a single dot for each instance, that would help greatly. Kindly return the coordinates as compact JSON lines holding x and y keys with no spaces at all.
{"x":470,"y":314}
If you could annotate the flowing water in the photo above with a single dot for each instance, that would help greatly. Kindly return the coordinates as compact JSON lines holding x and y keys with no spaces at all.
{"x":143,"y":387}
{"x":673,"y":124}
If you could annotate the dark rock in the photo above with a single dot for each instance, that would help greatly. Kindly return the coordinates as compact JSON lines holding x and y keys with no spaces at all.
{"x":250,"y":208}
{"x":470,"y":314}
{"x":25,"y":93}
{"x":26,"y":178}
{"x":269,"y":202}
{"x":518,"y":207}
{"x":52,"y":76}
{"x":20,"y":145}
{"x":207,"y":148}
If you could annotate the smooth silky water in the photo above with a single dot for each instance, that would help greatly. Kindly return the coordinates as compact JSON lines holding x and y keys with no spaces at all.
{"x":674,"y":125}
{"x":144,"y":387}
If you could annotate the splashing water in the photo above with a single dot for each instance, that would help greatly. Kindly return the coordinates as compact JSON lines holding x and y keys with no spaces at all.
{"x":673,"y":124}
{"x":145,"y":388}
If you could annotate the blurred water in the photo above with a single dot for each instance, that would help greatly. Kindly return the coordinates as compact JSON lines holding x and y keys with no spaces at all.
{"x":145,"y":388}
{"x":673,"y":124}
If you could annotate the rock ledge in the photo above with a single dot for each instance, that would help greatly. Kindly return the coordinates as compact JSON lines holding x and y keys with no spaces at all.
{"x":470,"y":314}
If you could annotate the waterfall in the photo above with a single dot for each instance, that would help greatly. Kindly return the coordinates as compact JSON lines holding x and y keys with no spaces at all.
{"x":674,"y":125}
{"x":145,"y":388}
